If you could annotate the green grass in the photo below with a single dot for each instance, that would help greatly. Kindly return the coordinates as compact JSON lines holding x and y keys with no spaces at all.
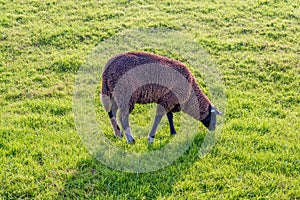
{"x":255,"y":45}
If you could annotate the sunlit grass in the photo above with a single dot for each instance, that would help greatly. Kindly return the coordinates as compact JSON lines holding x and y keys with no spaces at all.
{"x":255,"y":45}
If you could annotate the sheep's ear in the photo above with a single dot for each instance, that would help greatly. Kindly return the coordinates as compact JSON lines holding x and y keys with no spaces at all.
{"x":214,"y":109}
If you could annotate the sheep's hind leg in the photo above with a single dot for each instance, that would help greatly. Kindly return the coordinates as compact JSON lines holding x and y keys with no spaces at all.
{"x":171,"y":124}
{"x":151,"y":136}
{"x":125,"y":125}
{"x":113,"y":120}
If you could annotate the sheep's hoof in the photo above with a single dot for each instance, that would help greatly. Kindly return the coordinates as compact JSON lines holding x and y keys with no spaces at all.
{"x":130,"y":139}
{"x":150,"y":140}
{"x":173,"y":134}
{"x":119,"y":134}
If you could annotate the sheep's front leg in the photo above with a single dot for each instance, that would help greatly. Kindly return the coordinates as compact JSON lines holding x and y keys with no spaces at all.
{"x":154,"y":128}
{"x":171,"y":124}
{"x":124,"y":118}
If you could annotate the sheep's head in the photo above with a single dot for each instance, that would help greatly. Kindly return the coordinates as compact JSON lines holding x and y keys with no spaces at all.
{"x":210,"y":121}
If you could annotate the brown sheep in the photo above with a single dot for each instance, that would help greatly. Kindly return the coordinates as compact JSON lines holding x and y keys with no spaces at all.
{"x":139,"y":77}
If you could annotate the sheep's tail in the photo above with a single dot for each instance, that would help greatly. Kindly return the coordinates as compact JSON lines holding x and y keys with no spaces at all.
{"x":105,"y":96}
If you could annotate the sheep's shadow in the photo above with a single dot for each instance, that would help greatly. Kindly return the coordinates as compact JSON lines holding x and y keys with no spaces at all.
{"x":95,"y":180}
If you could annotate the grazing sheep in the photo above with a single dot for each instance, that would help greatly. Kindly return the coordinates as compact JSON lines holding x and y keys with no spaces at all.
{"x":139,"y":77}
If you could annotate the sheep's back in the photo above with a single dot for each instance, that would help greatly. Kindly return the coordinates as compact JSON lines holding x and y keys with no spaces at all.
{"x":119,"y":65}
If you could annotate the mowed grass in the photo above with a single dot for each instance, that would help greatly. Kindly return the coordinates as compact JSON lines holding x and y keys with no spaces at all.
{"x":255,"y":45}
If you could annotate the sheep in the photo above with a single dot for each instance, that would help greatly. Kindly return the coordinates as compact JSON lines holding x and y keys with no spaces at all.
{"x":141,"y":77}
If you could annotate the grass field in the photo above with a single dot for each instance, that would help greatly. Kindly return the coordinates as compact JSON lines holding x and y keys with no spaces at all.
{"x":255,"y":45}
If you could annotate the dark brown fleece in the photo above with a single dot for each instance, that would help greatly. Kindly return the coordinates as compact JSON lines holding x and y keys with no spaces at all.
{"x":117,"y":66}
